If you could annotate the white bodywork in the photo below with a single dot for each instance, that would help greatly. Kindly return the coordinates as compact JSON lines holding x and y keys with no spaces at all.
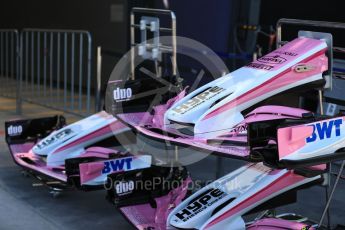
{"x":59,"y":146}
{"x":117,"y":165}
{"x":197,"y":107}
{"x":311,"y":140}
{"x":244,"y":183}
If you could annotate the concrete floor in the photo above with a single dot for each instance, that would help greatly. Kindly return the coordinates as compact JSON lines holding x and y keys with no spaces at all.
{"x":23,"y":206}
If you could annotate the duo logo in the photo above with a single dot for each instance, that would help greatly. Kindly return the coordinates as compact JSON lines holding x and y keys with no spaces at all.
{"x":14,"y":130}
{"x":117,"y":165}
{"x":325,"y":129}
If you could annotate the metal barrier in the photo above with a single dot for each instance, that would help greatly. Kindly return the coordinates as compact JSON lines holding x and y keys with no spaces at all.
{"x":9,"y":62}
{"x":152,"y":24}
{"x":55,"y":70}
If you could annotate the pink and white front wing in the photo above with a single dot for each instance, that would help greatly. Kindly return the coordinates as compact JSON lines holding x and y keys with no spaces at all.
{"x":216,"y":107}
{"x":240,"y":191}
{"x":95,"y":173}
{"x":303,"y":142}
{"x":71,"y":140}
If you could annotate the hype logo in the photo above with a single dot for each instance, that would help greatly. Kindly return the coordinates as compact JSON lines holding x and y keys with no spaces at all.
{"x":325,"y":129}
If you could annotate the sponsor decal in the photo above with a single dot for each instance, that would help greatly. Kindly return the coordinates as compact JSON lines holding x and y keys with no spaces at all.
{"x":122,"y":94}
{"x":286,"y":53}
{"x":259,"y":66}
{"x":301,"y":68}
{"x":276,"y":59}
{"x":307,"y":227}
{"x":117,"y":165}
{"x":325,"y":130}
{"x":14,"y":130}
{"x":198,"y":99}
{"x":240,"y":129}
{"x":199,"y":204}
{"x":124,"y":187}
{"x":49,"y":140}
{"x":331,"y":109}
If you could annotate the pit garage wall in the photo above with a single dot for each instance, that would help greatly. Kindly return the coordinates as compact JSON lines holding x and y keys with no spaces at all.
{"x":107,"y":20}
{"x":206,"y":21}
{"x":95,"y":16}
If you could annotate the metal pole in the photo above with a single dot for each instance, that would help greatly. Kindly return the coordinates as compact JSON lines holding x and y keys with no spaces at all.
{"x":174,"y":44}
{"x":6,"y":55}
{"x":279,"y":35}
{"x":332,"y":193}
{"x":327,"y":186}
{"x":26,"y":59}
{"x":39,"y":63}
{"x":132,"y":45}
{"x":58,"y":58}
{"x":89,"y":58}
{"x":99,"y":78}
{"x":44,"y":64}
{"x":81,"y":45}
{"x":320,"y":101}
{"x":2,"y":54}
{"x":176,"y":154}
{"x":65,"y":72}
{"x":51,"y":53}
{"x":19,"y":52}
{"x":72,"y":71}
{"x":32,"y":62}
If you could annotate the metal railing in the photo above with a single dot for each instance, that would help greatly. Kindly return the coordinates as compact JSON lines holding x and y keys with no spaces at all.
{"x":9,"y":62}
{"x":154,"y":27}
{"x":55,"y":70}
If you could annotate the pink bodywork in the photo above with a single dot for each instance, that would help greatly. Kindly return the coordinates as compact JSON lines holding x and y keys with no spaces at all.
{"x":20,"y":152}
{"x":115,"y":126}
{"x":277,"y":224}
{"x":298,"y":45}
{"x":144,"y":216}
{"x":288,"y":179}
{"x":88,"y":171}
{"x":23,"y":156}
{"x":144,"y":122}
{"x":290,"y":139}
{"x":319,"y":61}
{"x":91,"y":170}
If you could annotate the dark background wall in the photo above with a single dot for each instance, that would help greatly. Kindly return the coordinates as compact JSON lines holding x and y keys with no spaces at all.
{"x":272,"y":10}
{"x":319,"y":10}
{"x":107,"y":20}
{"x":210,"y":22}
{"x":66,"y":14}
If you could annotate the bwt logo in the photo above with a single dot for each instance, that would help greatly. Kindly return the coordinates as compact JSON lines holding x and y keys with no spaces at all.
{"x":14,"y":130}
{"x":325,"y":129}
{"x":122,"y":94}
{"x":117,"y":165}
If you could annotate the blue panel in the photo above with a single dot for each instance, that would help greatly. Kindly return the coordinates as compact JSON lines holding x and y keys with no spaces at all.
{"x":206,"y":21}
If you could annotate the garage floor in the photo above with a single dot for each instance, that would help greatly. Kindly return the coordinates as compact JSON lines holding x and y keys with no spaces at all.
{"x":23,"y":206}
